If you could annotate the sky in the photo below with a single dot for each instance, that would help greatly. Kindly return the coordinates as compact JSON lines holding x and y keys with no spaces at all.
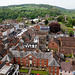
{"x":68,"y":4}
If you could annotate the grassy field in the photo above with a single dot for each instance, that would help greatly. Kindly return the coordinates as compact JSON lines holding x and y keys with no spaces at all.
{"x":26,"y":70}
{"x":65,"y":27}
{"x":27,"y":8}
{"x":39,"y":72}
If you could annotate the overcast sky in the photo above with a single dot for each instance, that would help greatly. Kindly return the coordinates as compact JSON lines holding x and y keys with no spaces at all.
{"x":68,"y":4}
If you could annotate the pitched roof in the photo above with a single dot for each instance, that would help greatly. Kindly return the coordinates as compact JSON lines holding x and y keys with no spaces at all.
{"x":52,"y":62}
{"x":7,"y":57}
{"x":68,"y":41}
{"x":37,"y":55}
{"x":67,"y":50}
{"x":2,"y":52}
{"x":66,"y":66}
{"x":57,"y":41}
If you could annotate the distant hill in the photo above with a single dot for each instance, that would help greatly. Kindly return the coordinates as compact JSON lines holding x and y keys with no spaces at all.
{"x":33,"y":11}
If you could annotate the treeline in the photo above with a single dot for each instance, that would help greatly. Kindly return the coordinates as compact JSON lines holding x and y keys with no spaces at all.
{"x":13,"y":12}
{"x":30,"y":11}
{"x":69,"y":21}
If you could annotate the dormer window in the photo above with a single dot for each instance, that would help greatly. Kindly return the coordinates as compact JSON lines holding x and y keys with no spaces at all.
{"x":32,"y":46}
{"x":35,"y":46}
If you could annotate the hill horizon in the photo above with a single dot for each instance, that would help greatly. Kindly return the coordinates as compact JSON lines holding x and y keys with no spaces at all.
{"x":35,"y":4}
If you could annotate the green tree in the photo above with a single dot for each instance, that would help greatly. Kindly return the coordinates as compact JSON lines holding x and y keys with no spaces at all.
{"x":71,"y":33}
{"x":0,"y":20}
{"x":32,"y":22}
{"x":60,"y":19}
{"x":19,"y":19}
{"x":46,"y":22}
{"x":73,"y":22}
{"x":70,"y":21}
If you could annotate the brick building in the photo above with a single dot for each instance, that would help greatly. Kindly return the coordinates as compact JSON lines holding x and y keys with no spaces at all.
{"x":54,"y":44}
{"x":34,"y":59}
{"x":65,"y":45}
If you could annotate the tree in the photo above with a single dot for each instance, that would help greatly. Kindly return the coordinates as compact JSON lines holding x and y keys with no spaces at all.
{"x":0,"y":20}
{"x":70,"y":21}
{"x":32,"y":22}
{"x":46,"y":22}
{"x":19,"y":19}
{"x":54,"y":27}
{"x":71,"y":33}
{"x":73,"y":22}
{"x":60,"y":19}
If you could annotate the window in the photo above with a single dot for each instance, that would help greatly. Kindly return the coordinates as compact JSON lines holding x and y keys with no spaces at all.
{"x":52,"y":43}
{"x":34,"y":65}
{"x":32,"y":46}
{"x":21,"y":60}
{"x":55,"y":74}
{"x":16,"y":59}
{"x":51,"y":67}
{"x":40,"y":59}
{"x":51,"y":70}
{"x":30,"y":56}
{"x":60,"y":73}
{"x":44,"y":61}
{"x":44,"y":65}
{"x":69,"y":71}
{"x":40,"y":65}
{"x":34,"y":61}
{"x":55,"y":70}
{"x":40,"y":62}
{"x":55,"y":67}
{"x":21,"y":63}
{"x":60,"y":70}
{"x":26,"y":58}
{"x":26,"y":61}
{"x":26,"y":64}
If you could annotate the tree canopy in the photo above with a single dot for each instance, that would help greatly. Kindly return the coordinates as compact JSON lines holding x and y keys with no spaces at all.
{"x":54,"y":27}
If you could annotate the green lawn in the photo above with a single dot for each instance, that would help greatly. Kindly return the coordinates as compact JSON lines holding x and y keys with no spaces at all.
{"x":66,"y":61}
{"x":63,"y":26}
{"x":39,"y":72}
{"x":26,"y":70}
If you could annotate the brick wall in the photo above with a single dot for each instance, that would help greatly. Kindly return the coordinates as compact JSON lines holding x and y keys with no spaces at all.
{"x":53,"y":45}
{"x":53,"y":70}
{"x":35,"y":62}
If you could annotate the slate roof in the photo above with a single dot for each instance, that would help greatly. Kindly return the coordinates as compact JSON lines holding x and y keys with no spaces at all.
{"x":7,"y":57}
{"x":37,"y":55}
{"x":2,"y":52}
{"x":32,"y":43}
{"x":57,"y":41}
{"x":53,"y":62}
{"x":15,"y":40}
{"x":6,"y":41}
{"x":1,"y":46}
{"x":1,"y":65}
{"x":67,"y":50}
{"x":46,"y":55}
{"x":68,"y":41}
{"x":66,"y":66}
